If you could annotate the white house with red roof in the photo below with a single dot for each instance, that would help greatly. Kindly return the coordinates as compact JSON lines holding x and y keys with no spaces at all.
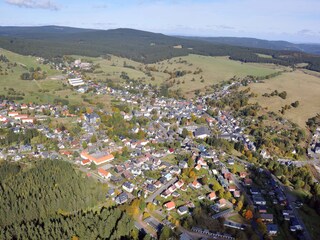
{"x":195,"y":184}
{"x":170,"y":206}
{"x":212,"y":196}
{"x":104,"y":173}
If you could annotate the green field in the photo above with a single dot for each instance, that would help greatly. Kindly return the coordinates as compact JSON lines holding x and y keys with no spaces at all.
{"x":213,"y":70}
{"x":299,"y":86}
{"x":40,"y":91}
{"x":199,"y":73}
{"x":29,"y":87}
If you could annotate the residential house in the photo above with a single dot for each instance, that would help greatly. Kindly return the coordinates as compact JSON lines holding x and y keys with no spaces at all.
{"x":183,"y":210}
{"x":222,"y":202}
{"x":170,"y":206}
{"x":243,"y":174}
{"x":287,"y":214}
{"x":212,"y":196}
{"x":151,"y":188}
{"x":247,"y":181}
{"x":295,"y":225}
{"x":157,"y":184}
{"x":258,"y":200}
{"x":272,"y":229}
{"x":179,"y":184}
{"x":254,"y":191}
{"x":232,"y":188}
{"x":201,"y":133}
{"x":183,"y":164}
{"x":195,"y":184}
{"x":122,"y":198}
{"x":231,"y":161}
{"x":128,"y":187}
{"x":104,"y":173}
{"x":262,"y":209}
{"x":266,"y":217}
{"x":236,"y":194}
{"x":127,"y":175}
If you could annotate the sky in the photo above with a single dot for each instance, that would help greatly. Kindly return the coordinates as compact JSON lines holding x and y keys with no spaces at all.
{"x":291,"y":20}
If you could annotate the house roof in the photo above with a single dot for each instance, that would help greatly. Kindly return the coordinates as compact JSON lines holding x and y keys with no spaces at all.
{"x":103,"y":172}
{"x":170,"y":205}
{"x":212,"y":195}
{"x":195,"y":183}
{"x":86,"y":161}
{"x":97,"y":158}
{"x":201,"y":131}
{"x":183,"y":209}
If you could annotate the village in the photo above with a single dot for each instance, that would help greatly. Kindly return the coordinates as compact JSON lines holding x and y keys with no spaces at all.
{"x":171,"y":162}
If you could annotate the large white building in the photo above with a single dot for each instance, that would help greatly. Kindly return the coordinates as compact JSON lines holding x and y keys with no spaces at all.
{"x":75,"y":82}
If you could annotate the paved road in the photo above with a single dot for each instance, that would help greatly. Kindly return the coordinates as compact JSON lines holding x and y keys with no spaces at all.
{"x":197,"y":235}
{"x":301,"y":163}
{"x":286,"y":191}
{"x":161,"y":189}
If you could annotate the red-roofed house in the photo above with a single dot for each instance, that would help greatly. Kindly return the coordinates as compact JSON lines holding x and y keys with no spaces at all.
{"x":232,"y":188}
{"x":170,"y":205}
{"x":27,"y":120}
{"x":104,"y":173}
{"x":179,"y":184}
{"x":20,"y":116}
{"x":236,"y":194}
{"x":85,"y":162}
{"x":247,"y":181}
{"x":196,"y":184}
{"x":243,"y":175}
{"x":198,"y":167}
{"x":212,"y":196}
{"x":24,"y":106}
{"x":222,"y":202}
{"x":12,"y":114}
{"x":3,"y":119}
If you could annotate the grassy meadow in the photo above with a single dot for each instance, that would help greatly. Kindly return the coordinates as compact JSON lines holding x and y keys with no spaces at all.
{"x":30,"y":88}
{"x":299,"y":86}
{"x":40,"y":91}
{"x":212,"y":70}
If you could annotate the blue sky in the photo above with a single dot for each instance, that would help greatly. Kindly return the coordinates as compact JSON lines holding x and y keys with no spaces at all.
{"x":292,"y":20}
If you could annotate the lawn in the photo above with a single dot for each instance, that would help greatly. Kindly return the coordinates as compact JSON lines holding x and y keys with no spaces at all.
{"x":299,"y":86}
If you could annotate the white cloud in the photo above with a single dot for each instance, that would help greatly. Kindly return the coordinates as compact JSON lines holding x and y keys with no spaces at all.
{"x":40,"y":4}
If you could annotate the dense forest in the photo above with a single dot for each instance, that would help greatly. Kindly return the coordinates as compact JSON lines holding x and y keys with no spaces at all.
{"x":50,"y":200}
{"x":141,"y":46}
{"x":260,"y":43}
{"x":106,"y":224}
{"x":43,"y":190}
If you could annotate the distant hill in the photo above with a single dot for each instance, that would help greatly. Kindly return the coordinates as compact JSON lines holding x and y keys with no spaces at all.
{"x":259,"y":43}
{"x":142,"y":46}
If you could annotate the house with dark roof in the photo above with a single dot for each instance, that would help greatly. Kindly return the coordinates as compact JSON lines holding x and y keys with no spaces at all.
{"x":121,"y":198}
{"x":272,"y":229}
{"x":183,"y":210}
{"x":201,"y":132}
